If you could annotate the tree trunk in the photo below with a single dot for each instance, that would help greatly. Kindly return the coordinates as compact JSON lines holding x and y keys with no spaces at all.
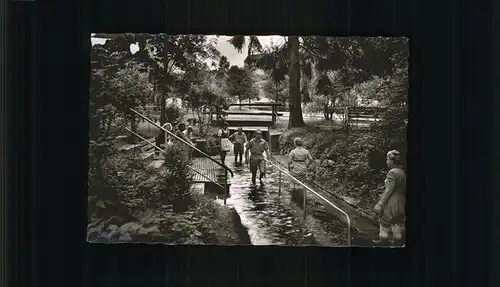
{"x":200,"y":120}
{"x":163,"y":107}
{"x":296,"y":119}
{"x":133,"y":127}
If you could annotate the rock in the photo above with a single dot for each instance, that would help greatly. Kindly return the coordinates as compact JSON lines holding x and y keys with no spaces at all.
{"x":100,"y":204}
{"x":149,"y":230}
{"x":125,"y":237}
{"x":112,"y":228}
{"x":95,"y":228}
{"x":111,"y":235}
{"x":330,"y":163}
{"x":132,"y":227}
{"x":153,"y":229}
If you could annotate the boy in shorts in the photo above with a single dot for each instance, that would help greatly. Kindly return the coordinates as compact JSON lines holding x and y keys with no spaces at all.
{"x":257,"y":146}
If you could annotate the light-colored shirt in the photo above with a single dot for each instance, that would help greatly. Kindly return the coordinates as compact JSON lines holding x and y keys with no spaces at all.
{"x":257,"y":148}
{"x":299,"y":154}
{"x":238,"y":138}
{"x":223,"y":133}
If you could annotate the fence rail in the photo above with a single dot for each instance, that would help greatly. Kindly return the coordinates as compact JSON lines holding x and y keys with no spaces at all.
{"x":159,"y":148}
{"x":307,"y":188}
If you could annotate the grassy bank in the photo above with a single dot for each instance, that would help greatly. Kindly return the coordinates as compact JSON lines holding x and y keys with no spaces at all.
{"x":133,"y":206}
{"x":352,"y":165}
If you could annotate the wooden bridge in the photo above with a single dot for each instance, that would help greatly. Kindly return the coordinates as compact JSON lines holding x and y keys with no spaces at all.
{"x":253,"y":118}
{"x":261,"y":117}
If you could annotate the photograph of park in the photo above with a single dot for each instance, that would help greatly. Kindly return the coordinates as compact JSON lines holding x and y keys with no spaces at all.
{"x":247,"y":140}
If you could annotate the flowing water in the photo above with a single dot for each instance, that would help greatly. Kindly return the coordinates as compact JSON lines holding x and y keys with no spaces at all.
{"x":276,"y":218}
{"x":269,"y":217}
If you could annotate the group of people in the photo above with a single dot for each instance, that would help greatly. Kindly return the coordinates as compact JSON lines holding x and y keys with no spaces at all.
{"x":390,"y":209}
{"x":164,"y":139}
{"x":253,"y":150}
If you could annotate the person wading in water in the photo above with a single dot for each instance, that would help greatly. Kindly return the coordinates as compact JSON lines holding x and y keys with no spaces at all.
{"x":239,"y":140}
{"x":257,"y":146}
{"x":298,"y":161}
{"x":225,"y":143}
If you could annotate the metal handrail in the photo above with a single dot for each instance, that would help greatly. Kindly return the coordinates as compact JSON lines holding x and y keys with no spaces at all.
{"x":183,"y":141}
{"x":160,"y":149}
{"x":317,"y":194}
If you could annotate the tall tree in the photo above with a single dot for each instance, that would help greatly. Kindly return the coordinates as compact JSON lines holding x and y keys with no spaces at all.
{"x":296,"y":119}
{"x":223,"y":65}
{"x":115,"y":89}
{"x":292,"y":47}
{"x":167,"y":57}
{"x":239,"y":42}
{"x":240,"y":84}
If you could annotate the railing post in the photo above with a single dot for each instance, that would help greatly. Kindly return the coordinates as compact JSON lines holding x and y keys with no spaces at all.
{"x":304,"y":202}
{"x":279,"y":184}
{"x":225,"y":186}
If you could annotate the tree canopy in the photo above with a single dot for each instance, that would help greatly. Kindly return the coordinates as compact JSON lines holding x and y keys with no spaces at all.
{"x":240,"y":83}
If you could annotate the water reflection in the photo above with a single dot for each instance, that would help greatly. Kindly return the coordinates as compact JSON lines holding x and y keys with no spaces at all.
{"x":274,"y":218}
{"x":267,"y":216}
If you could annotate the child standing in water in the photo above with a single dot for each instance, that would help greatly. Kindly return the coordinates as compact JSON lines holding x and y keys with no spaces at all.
{"x":256,"y":147}
{"x":225,"y":143}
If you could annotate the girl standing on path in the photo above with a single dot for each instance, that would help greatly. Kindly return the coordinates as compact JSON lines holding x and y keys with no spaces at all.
{"x":298,"y":161}
{"x":163,"y":138}
{"x":391,"y":207}
{"x":225,"y":143}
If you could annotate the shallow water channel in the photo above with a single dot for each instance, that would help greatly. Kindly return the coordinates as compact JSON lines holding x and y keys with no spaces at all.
{"x":274,"y":218}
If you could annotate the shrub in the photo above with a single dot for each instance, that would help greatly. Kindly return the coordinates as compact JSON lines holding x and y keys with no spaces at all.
{"x":175,"y":182}
{"x":354,"y":162}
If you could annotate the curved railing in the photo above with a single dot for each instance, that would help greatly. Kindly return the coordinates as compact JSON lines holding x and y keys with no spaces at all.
{"x":183,"y":141}
{"x":160,"y":149}
{"x":307,"y":188}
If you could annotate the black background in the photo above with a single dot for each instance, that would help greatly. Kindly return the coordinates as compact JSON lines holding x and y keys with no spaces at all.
{"x":452,"y":159}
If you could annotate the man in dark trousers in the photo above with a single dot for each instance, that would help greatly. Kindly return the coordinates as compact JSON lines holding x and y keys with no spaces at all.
{"x":239,"y":139}
{"x":257,"y":146}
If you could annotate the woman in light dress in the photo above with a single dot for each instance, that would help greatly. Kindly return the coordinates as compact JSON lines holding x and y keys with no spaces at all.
{"x":298,"y":161}
{"x":391,"y":207}
{"x":225,"y":143}
{"x":163,"y":138}
{"x":168,"y":137}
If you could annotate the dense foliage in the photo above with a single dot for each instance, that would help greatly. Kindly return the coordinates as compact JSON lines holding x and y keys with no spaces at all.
{"x":122,"y":186}
{"x":240,"y":84}
{"x":308,"y":61}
